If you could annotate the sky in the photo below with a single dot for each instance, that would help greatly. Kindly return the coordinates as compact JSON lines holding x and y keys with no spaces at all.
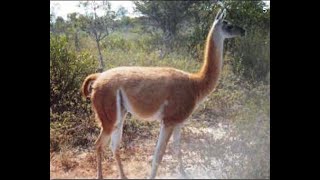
{"x":62,"y":8}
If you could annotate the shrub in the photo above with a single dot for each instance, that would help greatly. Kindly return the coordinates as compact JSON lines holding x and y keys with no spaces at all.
{"x":67,"y":71}
{"x":252,"y":56}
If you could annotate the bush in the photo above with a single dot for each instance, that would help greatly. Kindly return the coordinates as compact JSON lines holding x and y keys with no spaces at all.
{"x":252,"y":56}
{"x":67,"y":72}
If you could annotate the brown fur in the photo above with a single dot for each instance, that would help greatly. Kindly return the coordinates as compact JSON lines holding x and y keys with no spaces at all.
{"x":207,"y":78}
{"x":147,"y":88}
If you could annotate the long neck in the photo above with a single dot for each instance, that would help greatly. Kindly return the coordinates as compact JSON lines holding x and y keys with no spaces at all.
{"x":209,"y":73}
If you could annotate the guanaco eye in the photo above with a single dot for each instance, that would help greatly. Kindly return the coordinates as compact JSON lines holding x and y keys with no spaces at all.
{"x":229,"y":27}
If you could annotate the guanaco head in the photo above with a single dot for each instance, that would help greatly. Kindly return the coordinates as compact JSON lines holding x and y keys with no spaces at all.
{"x":225,"y":28}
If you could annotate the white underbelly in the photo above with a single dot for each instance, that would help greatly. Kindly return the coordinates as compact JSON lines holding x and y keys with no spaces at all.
{"x":158,"y":115}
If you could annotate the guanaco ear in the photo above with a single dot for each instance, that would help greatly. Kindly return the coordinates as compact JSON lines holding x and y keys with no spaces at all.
{"x":218,"y":16}
{"x":223,"y":14}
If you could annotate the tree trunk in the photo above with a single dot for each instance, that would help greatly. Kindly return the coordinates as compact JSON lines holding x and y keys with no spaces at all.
{"x":101,"y":65}
{"x":76,"y":42}
{"x":167,"y":43}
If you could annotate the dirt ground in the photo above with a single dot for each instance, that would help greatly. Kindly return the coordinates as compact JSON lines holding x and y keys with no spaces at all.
{"x":210,"y":150}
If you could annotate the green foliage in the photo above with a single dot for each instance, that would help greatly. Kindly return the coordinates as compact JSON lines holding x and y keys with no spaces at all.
{"x":252,"y":57}
{"x":60,"y":26}
{"x":251,"y":54}
{"x":123,"y":23}
{"x":179,"y":27}
{"x":97,"y":26}
{"x":201,"y":15}
{"x":166,"y":15}
{"x":130,"y":42}
{"x":121,"y":12}
{"x":67,"y":71}
{"x":74,"y":24}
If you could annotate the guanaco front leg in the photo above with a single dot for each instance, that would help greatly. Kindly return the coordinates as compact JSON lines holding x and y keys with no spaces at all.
{"x":177,"y":148}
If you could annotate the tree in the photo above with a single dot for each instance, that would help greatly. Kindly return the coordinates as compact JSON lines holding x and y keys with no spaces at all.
{"x":52,"y":17}
{"x":121,"y":12}
{"x":251,"y":55}
{"x":53,"y":7}
{"x":67,"y":71}
{"x":122,"y":20}
{"x":74,"y":28}
{"x":60,"y":26}
{"x":200,"y":16}
{"x":166,"y":15}
{"x":98,"y":27}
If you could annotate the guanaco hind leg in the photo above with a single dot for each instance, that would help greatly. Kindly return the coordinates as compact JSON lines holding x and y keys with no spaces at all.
{"x":165,"y":134}
{"x":117,"y":134}
{"x":177,"y":148}
{"x":99,"y":144}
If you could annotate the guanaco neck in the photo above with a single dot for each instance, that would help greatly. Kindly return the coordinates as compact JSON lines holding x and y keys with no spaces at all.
{"x":208,"y":76}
